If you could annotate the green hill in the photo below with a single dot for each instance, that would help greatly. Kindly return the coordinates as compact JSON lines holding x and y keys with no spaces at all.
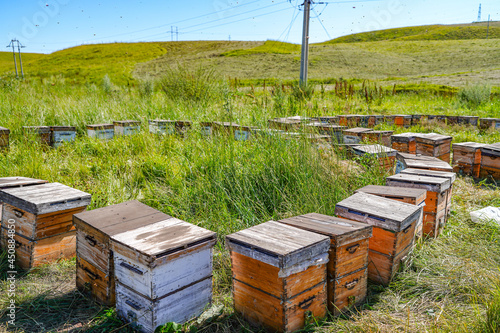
{"x":426,"y":32}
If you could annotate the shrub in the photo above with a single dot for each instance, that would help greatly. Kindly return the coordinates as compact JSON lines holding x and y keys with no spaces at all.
{"x":474,"y":95}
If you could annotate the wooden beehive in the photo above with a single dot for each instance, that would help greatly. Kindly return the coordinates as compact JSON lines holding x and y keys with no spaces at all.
{"x":452,"y":120}
{"x":416,"y":119}
{"x":349,"y":120}
{"x":279,"y":274}
{"x":10,"y":182}
{"x":451,"y":176}
{"x":441,"y":119}
{"x":127,"y":127}
{"x":405,"y":161}
{"x":489,"y":123}
{"x":435,"y":145}
{"x":436,"y":200}
{"x":353,"y":135}
{"x":402,"y":120}
{"x":207,"y":128}
{"x":242,"y":133}
{"x":94,"y":258}
{"x":40,"y":134}
{"x":225,"y":128}
{"x":382,"y":137}
{"x":335,"y":131}
{"x":161,"y":126}
{"x":62,"y":134}
{"x":467,"y":158}
{"x":163,"y":272}
{"x":4,"y":137}
{"x":431,"y":118}
{"x":42,"y":219}
{"x":394,"y":225}
{"x":404,"y":143}
{"x":374,"y":120}
{"x":412,"y":196}
{"x":468,"y":120}
{"x":490,"y":161}
{"x":386,"y":156}
{"x":328,"y":119}
{"x":287,"y":124}
{"x":182,"y":127}
{"x":390,"y":119}
{"x":364,"y":120}
{"x":101,"y":131}
{"x":347,"y":269}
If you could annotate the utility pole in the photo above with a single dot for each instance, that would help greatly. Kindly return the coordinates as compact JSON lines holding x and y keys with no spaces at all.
{"x":19,"y":46}
{"x":479,"y":14}
{"x":304,"y":58}
{"x":171,"y":33}
{"x":176,"y":33}
{"x":488,"y":29}
{"x":12,"y":43}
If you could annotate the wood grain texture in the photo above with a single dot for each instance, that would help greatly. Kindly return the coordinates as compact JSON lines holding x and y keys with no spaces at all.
{"x":378,"y":211}
{"x":432,"y":184}
{"x":431,"y":173}
{"x":412,"y":196}
{"x":179,"y":307}
{"x":284,"y":245}
{"x":94,"y":282}
{"x":382,"y":268}
{"x":347,"y":258}
{"x":348,"y":291}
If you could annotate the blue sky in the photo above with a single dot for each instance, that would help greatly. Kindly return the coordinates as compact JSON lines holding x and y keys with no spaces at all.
{"x":51,"y":25}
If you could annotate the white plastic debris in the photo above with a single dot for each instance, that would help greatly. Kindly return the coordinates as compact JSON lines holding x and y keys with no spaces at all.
{"x":486,"y":214}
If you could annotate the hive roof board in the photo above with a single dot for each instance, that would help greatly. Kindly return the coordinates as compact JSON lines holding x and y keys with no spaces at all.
{"x":452,"y":176}
{"x":45,"y":198}
{"x":379,"y":211}
{"x":8,"y":182}
{"x":433,"y":184}
{"x":393,"y":192}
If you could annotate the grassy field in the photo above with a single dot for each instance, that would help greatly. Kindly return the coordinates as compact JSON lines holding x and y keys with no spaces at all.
{"x":450,"y":285}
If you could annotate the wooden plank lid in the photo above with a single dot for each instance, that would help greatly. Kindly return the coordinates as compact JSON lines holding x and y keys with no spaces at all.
{"x":333,"y":227}
{"x":161,"y":121}
{"x":376,"y":149}
{"x":493,"y":149}
{"x":423,"y":162}
{"x":378,"y":211}
{"x":432,"y":138}
{"x":8,"y":182}
{"x":433,"y":184}
{"x":115,"y":219}
{"x":468,"y":146}
{"x":452,"y":176}
{"x":356,"y":130}
{"x":63,"y":128}
{"x":281,"y":245}
{"x":164,"y":237}
{"x":4,"y":130}
{"x":403,"y":137}
{"x":45,"y":198}
{"x":394,"y":192}
{"x":100,"y":126}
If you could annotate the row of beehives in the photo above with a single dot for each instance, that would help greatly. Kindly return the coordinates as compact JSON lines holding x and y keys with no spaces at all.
{"x":158,"y":269}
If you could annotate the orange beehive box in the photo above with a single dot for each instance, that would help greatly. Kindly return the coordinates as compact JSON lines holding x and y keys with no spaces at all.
{"x":382,"y":137}
{"x":353,"y":135}
{"x":404,"y":142}
{"x":402,"y":120}
{"x":412,"y":196}
{"x":467,"y":158}
{"x":386,"y":156}
{"x":487,"y":123}
{"x":41,"y":216}
{"x":394,"y":226}
{"x":279,"y":274}
{"x":490,"y":161}
{"x":435,"y":145}
{"x":436,"y":201}
{"x":348,"y":257}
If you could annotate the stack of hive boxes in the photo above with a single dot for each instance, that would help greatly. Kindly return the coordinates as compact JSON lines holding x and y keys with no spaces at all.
{"x":382,"y":137}
{"x":353,"y":135}
{"x":467,"y":158}
{"x":394,"y":225}
{"x":404,"y":143}
{"x":490,"y":161}
{"x":385,"y":156}
{"x":42,"y":216}
{"x":279,"y":274}
{"x":156,"y":268}
{"x":435,"y":145}
{"x":347,"y":269}
{"x":405,"y":161}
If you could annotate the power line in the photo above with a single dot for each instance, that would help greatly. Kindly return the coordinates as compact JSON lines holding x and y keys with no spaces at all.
{"x":317,"y":15}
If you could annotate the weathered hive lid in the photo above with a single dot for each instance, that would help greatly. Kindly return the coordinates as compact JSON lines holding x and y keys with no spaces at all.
{"x":377,"y":150}
{"x":4,"y":130}
{"x":63,"y":128}
{"x":493,"y":149}
{"x":432,"y":138}
{"x":433,"y":184}
{"x":8,"y":182}
{"x":452,"y":176}
{"x":122,"y":217}
{"x":99,"y":126}
{"x":423,"y":162}
{"x":380,"y":132}
{"x":285,"y":121}
{"x":126,"y":122}
{"x":37,"y":129}
{"x":403,"y":137}
{"x":378,"y":211}
{"x":342,"y":231}
{"x":468,"y":146}
{"x":356,"y":130}
{"x":45,"y":198}
{"x":281,"y":245}
{"x":161,"y":121}
{"x":163,"y":238}
{"x":327,"y":125}
{"x":393,"y":192}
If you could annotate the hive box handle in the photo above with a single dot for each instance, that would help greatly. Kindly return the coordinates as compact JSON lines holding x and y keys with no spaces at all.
{"x":351,"y":285}
{"x":131,"y":268}
{"x":18,"y":213}
{"x":305,"y":304}
{"x":351,"y":249}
